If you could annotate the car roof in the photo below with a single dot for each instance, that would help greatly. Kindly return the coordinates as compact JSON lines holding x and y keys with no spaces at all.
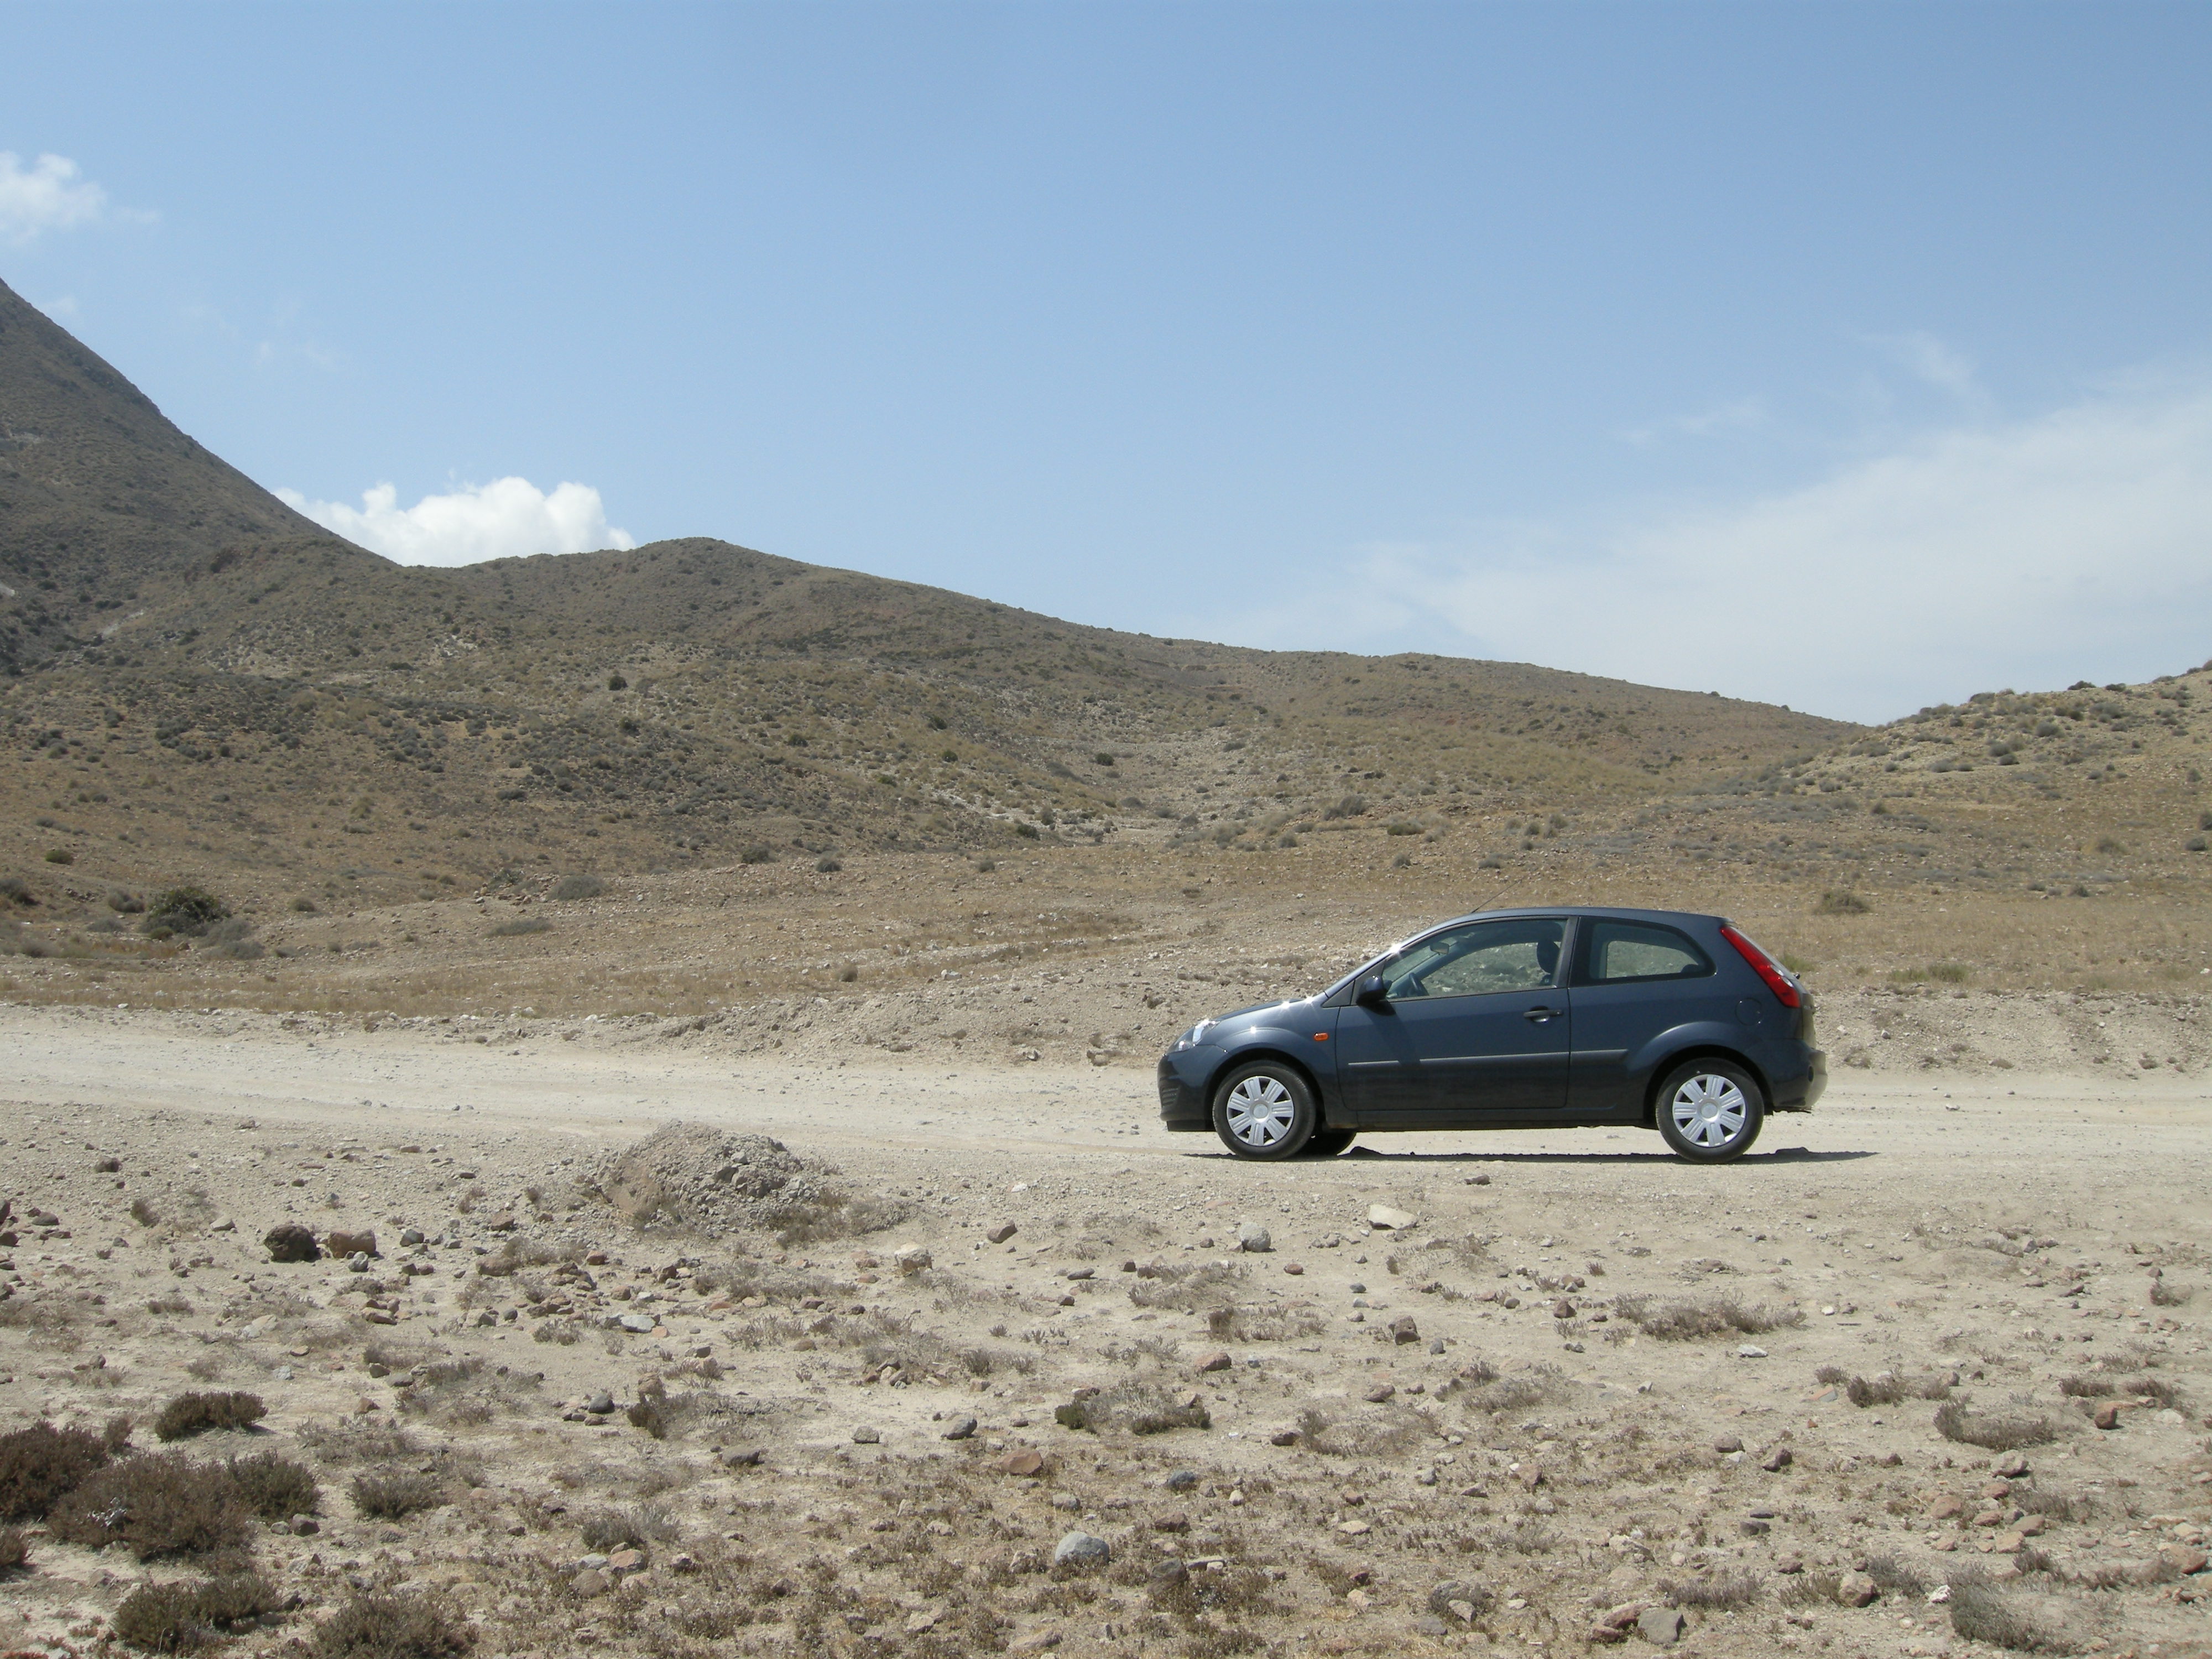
{"x":1670,"y":918}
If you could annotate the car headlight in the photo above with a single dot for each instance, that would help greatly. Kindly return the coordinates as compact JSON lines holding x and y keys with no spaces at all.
{"x":1191,"y":1038}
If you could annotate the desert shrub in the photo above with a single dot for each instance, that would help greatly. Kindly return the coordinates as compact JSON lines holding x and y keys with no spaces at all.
{"x":1829,"y":1376}
{"x":183,"y":1618}
{"x":395,"y":1495}
{"x":757,"y":853}
{"x":2058,"y":1505}
{"x":161,"y":1504}
{"x":15,"y":1549}
{"x":190,"y":910}
{"x":1684,"y":1322}
{"x":1890,"y":1389}
{"x":1892,"y":1574}
{"x":2085,"y":1387}
{"x":1350,"y":807}
{"x":1950,"y":973}
{"x":832,"y":1212}
{"x":827,"y":865}
{"x":578,"y":887}
{"x":2163,"y":1295}
{"x":520,"y":926}
{"x":608,"y":1531}
{"x":1186,"y":1290}
{"x":1383,"y":1430}
{"x":41,"y":1464}
{"x":126,"y":904}
{"x":1731,"y":1590}
{"x":189,"y":1414}
{"x":1981,"y":1613}
{"x":275,"y":1488}
{"x":302,"y":905}
{"x":60,"y":855}
{"x":1140,"y":1408}
{"x":1991,"y":1433}
{"x":398,"y":1627}
{"x":1841,"y":902}
{"x":1401,"y":827}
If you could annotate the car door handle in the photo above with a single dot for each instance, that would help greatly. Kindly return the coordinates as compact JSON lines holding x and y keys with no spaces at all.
{"x":1539,"y":1015}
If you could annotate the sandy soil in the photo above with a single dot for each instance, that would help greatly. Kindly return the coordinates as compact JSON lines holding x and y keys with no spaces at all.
{"x":1542,"y":1446}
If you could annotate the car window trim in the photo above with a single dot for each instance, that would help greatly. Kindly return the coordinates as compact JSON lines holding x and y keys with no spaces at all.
{"x":1567,"y":931}
{"x":1587,"y":938}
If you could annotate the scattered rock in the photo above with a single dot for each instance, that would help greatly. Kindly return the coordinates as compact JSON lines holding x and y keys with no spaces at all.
{"x":1082,"y":1549}
{"x":960,"y":1428}
{"x":1214,"y":1362}
{"x":910,"y":1258}
{"x":2183,"y":1558}
{"x":1002,"y":1232}
{"x":2107,"y":1417}
{"x":748,"y":1459}
{"x":600,"y":1404}
{"x":1780,"y":1458}
{"x":1284,"y":1438}
{"x":1250,"y":1235}
{"x":1855,"y":1589}
{"x":1750,"y":1351}
{"x":626,"y":1560}
{"x":638,"y":1324}
{"x":1027,"y":1464}
{"x":1727,"y":1443}
{"x":1389,"y":1219}
{"x":1379,"y":1392}
{"x":1661,"y":1626}
{"x":1180,"y":1481}
{"x":1174,"y":1521}
{"x":1404,"y":1330}
{"x":592,"y":1581}
{"x":866,"y":1435}
{"x":1462,"y":1601}
{"x":305,"y":1526}
{"x":1036,"y":1641}
{"x":2013,"y":1468}
{"x":289,"y":1241}
{"x":1562,"y":1309}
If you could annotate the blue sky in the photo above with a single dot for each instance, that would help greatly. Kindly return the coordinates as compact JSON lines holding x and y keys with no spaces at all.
{"x":1853,"y":357}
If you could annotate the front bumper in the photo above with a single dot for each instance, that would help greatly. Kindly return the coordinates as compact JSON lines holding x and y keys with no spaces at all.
{"x":1182,"y":1090}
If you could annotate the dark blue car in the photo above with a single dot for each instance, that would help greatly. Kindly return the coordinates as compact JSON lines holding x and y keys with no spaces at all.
{"x":1515,"y":1020}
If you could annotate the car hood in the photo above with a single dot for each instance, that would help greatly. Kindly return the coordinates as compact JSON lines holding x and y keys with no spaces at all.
{"x":1248,"y":1016}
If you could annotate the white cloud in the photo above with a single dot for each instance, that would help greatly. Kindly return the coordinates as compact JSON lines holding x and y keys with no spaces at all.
{"x":508,"y":517}
{"x":1927,"y":358}
{"x":2028,"y":554}
{"x":46,"y":195}
{"x":1735,"y":414}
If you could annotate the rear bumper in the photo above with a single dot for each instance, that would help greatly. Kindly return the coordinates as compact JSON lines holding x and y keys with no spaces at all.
{"x":1800,"y":1091}
{"x":1183,"y":1091}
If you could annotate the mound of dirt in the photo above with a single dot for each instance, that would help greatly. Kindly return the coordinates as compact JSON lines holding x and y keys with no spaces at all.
{"x":708,"y":1178}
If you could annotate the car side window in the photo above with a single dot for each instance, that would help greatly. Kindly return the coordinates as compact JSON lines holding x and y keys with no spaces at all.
{"x":1480,"y":959}
{"x":1622,"y":951}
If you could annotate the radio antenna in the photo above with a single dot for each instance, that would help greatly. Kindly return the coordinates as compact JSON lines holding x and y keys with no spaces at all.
{"x":1490,"y":903}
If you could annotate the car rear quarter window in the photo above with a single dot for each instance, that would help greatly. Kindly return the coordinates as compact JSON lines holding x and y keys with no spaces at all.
{"x":1625,"y":950}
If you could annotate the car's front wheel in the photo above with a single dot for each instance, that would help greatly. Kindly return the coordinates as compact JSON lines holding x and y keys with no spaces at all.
{"x":1264,"y":1110}
{"x":1710,"y":1110}
{"x":1328,"y":1143}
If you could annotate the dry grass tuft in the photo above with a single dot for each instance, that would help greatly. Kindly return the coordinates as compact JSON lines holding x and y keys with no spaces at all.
{"x":275,"y":1488}
{"x":1890,"y":1389}
{"x":1718,"y":1315}
{"x":15,"y":1549}
{"x":395,"y":1495}
{"x":1731,"y":1591}
{"x":1981,"y":1613}
{"x":41,"y":1464}
{"x":1383,"y":1431}
{"x":1200,"y":1289}
{"x":184,"y":1618}
{"x":161,"y":1504}
{"x":401,"y":1626}
{"x":189,"y":1414}
{"x":1992,"y":1433}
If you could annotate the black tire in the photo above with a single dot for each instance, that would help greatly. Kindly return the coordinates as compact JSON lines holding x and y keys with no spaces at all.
{"x":1710,"y":1110}
{"x":1328,"y":1143}
{"x":1265,"y":1110}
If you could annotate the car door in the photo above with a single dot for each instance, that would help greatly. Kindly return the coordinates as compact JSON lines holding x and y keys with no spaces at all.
{"x":1470,"y":1026}
{"x":1633,"y":981}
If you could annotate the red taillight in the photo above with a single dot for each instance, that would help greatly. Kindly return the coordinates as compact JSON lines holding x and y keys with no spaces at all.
{"x":1765,"y":967}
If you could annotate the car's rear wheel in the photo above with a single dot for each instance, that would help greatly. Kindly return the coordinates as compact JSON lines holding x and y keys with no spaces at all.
{"x":1328,"y":1143}
{"x":1264,"y":1110}
{"x":1710,"y":1110}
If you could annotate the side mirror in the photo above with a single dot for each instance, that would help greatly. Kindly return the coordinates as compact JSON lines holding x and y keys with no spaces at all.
{"x":1372,"y":990}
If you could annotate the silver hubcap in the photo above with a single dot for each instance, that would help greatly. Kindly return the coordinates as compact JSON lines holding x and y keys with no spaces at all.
{"x":1709,"y":1110}
{"x":1259,"y":1111}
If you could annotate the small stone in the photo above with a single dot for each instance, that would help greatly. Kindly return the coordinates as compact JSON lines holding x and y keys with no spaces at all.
{"x":1790,"y":1565}
{"x":922,"y":1619}
{"x":345,"y":1244}
{"x":410,"y":1234}
{"x":1661,"y":1626}
{"x":637,"y":1324}
{"x":1173,"y":1521}
{"x":1946,"y":1506}
{"x":1389,"y":1219}
{"x":223,"y":1224}
{"x":1293,"y":1268}
{"x":1779,"y":1460}
{"x":1750,"y":1351}
{"x":748,"y":1459}
{"x":2013,"y":1468}
{"x":1855,"y":1589}
{"x":1251,"y":1236}
{"x":1082,"y":1549}
{"x":2107,"y":1417}
{"x":1351,"y":1528}
{"x":1036,"y":1641}
{"x":911,"y":1258}
{"x":626,"y":1560}
{"x":1284,"y":1438}
{"x":1180,"y":1481}
{"x":960,"y":1428}
{"x":1404,"y":1330}
{"x":1753,"y":1528}
{"x":1379,"y":1392}
{"x":1562,"y":1309}
{"x":1002,"y":1232}
{"x":305,"y":1526}
{"x":1216,"y":1361}
{"x":1080,"y":1273}
{"x":865,"y":1436}
{"x":600,"y":1404}
{"x":591,"y":1582}
{"x":1026,"y":1464}
{"x":2183,"y":1558}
